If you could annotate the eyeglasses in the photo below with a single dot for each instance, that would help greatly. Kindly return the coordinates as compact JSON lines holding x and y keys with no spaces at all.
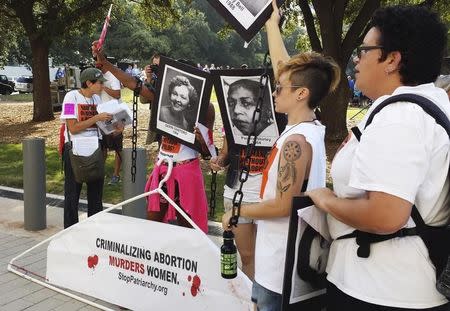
{"x":365,"y":48}
{"x":278,"y":87}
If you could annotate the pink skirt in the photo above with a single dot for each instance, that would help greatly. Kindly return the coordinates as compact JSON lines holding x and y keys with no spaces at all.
{"x":191,"y":190}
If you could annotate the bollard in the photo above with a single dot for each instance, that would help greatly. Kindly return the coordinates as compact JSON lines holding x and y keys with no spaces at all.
{"x":137,"y":208}
{"x":34,"y":189}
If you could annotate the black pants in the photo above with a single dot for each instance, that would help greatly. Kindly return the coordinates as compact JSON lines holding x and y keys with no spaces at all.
{"x":339,"y":301}
{"x":72,"y":191}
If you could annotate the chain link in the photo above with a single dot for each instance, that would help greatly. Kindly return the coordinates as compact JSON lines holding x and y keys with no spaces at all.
{"x":251,"y":143}
{"x":134,"y":135}
{"x":212,"y":199}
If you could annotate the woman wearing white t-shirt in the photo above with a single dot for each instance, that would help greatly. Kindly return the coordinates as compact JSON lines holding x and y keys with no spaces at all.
{"x":296,"y":163}
{"x":401,"y":159}
{"x":79,"y":113}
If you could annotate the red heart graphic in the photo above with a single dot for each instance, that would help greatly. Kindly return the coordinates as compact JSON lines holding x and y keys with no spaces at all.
{"x":90,"y":262}
{"x":95,"y":260}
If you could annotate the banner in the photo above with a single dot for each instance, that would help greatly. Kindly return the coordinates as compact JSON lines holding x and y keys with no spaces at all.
{"x":144,"y":265}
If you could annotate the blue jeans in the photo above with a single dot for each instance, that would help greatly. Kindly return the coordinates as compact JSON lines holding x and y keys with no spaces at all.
{"x":266,"y":300}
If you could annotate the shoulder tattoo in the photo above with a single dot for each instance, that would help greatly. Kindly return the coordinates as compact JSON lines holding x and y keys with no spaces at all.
{"x":287,"y":173}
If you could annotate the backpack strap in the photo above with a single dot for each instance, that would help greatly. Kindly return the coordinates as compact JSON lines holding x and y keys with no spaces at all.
{"x":364,"y":239}
{"x":427,"y":105}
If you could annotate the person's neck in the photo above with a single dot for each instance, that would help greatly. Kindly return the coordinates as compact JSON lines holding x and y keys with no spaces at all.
{"x":86,"y":93}
{"x":390,"y":84}
{"x":304,"y":114}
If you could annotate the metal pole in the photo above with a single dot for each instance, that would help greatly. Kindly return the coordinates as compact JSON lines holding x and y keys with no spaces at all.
{"x":138,"y":208}
{"x":34,"y":189}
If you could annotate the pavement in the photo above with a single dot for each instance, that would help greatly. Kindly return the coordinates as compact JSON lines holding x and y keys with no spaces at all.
{"x":17,"y":293}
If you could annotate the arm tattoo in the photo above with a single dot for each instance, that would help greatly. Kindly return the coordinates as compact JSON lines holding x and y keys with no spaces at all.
{"x":287,"y":174}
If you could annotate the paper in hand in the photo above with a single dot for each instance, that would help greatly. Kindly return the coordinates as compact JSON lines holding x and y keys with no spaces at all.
{"x":208,"y":138}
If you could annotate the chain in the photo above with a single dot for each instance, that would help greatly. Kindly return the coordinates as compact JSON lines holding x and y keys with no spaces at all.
{"x":136,"y":93}
{"x":251,"y":143}
{"x":212,"y":199}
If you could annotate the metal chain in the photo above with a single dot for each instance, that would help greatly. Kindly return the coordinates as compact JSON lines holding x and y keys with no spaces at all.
{"x":251,"y":143}
{"x":134,"y":135}
{"x":212,"y":199}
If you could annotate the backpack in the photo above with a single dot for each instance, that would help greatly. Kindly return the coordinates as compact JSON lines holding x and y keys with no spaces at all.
{"x":436,"y":239}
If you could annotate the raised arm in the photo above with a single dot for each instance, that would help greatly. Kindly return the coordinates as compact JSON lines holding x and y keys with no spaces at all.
{"x":277,"y":49}
{"x":127,"y":80}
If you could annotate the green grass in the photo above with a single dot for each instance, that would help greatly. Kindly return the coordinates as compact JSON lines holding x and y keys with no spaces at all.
{"x":26,"y":97}
{"x":11,"y":168}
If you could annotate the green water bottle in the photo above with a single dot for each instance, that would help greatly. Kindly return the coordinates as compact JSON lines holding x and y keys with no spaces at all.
{"x":228,"y":256}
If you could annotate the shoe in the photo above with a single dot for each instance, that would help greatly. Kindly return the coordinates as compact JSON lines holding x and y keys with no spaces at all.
{"x":114,"y":180}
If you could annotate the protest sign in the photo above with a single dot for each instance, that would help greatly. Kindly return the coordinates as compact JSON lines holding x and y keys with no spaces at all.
{"x":144,"y":265}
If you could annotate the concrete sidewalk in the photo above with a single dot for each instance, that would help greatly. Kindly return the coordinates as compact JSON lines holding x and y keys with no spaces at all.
{"x":17,"y":293}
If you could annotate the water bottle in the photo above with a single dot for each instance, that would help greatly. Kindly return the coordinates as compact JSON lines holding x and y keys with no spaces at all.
{"x":228,"y":257}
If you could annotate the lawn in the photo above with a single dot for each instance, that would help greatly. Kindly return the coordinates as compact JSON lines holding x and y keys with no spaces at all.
{"x":26,"y":97}
{"x":11,"y":168}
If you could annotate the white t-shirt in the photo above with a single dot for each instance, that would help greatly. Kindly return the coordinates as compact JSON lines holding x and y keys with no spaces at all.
{"x":77,"y":106}
{"x":403,"y":152}
{"x":112,"y":83}
{"x":270,"y":251}
{"x":176,"y":151}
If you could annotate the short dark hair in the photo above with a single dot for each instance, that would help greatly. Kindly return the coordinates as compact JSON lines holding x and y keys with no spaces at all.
{"x":84,"y":84}
{"x":420,"y":37}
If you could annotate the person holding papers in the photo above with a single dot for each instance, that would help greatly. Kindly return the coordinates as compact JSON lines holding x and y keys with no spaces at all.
{"x":79,"y":113}
{"x":111,"y":91}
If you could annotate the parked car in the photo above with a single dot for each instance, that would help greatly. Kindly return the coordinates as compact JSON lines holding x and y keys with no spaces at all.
{"x":6,"y":86}
{"x":24,"y":84}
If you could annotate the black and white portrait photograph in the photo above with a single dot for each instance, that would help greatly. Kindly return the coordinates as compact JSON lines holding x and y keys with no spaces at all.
{"x":180,"y":100}
{"x":246,"y":16}
{"x":237,"y":94}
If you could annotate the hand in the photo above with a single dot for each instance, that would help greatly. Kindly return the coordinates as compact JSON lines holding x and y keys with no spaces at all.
{"x":320,"y":197}
{"x":101,"y":59}
{"x":226,"y":220}
{"x":213,"y":164}
{"x":276,"y":15}
{"x":217,"y":163}
{"x":104,"y":116}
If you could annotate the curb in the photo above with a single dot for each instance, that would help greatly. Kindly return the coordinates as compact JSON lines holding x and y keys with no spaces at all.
{"x":54,"y":200}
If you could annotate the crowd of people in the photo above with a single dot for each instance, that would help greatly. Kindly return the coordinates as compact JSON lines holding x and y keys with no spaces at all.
{"x":397,"y":166}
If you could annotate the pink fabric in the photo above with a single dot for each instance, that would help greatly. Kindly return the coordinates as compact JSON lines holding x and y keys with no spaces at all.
{"x":191,"y":188}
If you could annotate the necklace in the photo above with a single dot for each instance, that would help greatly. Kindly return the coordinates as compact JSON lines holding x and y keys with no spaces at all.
{"x":85,"y":99}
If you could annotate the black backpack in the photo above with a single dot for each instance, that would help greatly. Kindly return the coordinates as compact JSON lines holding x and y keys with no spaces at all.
{"x":436,"y":239}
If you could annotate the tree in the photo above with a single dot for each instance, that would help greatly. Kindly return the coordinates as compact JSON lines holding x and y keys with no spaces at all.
{"x":43,"y":22}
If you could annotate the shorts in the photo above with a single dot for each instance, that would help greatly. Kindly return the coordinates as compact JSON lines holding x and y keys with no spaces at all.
{"x":113,"y":142}
{"x":265,"y":300}
{"x":228,"y":206}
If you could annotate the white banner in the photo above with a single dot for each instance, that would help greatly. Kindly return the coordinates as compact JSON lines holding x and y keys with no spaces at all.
{"x":144,"y":265}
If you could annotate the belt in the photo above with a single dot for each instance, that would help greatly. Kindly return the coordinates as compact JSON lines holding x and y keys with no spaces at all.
{"x":179,"y":162}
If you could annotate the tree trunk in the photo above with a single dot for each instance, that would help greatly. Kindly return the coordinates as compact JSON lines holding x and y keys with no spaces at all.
{"x":334,"y":111}
{"x":42,"y":109}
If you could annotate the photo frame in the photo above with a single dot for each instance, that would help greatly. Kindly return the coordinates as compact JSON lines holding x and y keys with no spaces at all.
{"x":181,"y":101}
{"x":247,"y":17}
{"x":237,"y":91}
{"x":298,"y":293}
